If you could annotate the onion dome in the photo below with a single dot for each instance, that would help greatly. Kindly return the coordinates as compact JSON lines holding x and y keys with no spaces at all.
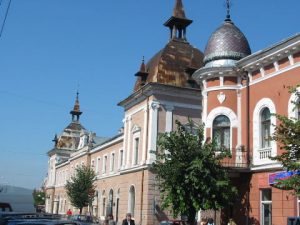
{"x":175,"y":63}
{"x":226,"y":45}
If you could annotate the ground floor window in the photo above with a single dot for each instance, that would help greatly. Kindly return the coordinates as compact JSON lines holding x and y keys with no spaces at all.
{"x":266,"y":207}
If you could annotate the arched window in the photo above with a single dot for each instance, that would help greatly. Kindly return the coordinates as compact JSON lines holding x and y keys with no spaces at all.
{"x":221,"y":131}
{"x":265,"y":123}
{"x":110,"y":203}
{"x":131,"y":202}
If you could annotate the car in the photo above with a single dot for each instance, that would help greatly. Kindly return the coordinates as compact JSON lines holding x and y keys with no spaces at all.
{"x":45,"y":222}
{"x":172,"y":222}
{"x":84,"y":219}
{"x":5,"y":207}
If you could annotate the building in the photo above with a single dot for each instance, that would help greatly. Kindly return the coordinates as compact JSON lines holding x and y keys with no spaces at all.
{"x":233,"y":91}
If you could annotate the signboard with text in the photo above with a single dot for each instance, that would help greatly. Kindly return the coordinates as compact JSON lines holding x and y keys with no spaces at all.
{"x":281,"y":176}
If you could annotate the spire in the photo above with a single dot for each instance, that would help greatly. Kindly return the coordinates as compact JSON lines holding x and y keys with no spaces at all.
{"x":178,"y":22}
{"x":179,"y":10}
{"x":228,"y":5}
{"x":76,"y":109}
{"x":142,"y":73}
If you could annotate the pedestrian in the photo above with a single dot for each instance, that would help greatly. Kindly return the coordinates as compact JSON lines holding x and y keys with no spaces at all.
{"x":231,"y":222}
{"x":69,"y":212}
{"x":203,"y":221}
{"x":210,"y":221}
{"x":110,"y":219}
{"x":128,"y":220}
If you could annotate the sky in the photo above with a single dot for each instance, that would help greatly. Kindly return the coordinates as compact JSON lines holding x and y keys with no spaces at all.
{"x":49,"y":49}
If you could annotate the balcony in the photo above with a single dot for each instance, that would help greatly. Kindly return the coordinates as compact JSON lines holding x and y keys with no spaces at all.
{"x":238,"y":160}
{"x":264,"y":153}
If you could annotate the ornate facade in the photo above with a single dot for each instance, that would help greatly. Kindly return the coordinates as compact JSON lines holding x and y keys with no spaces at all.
{"x":231,"y":90}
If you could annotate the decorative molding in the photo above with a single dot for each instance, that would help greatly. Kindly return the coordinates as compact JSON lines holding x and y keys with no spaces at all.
{"x":135,"y":129}
{"x":221,"y":111}
{"x":221,"y":97}
{"x":292,"y":112}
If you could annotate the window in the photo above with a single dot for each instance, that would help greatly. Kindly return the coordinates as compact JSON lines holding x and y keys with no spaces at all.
{"x":121,"y":159}
{"x":136,"y":151}
{"x":104,"y":164}
{"x":265,"y":128}
{"x":93,"y":164}
{"x":266,"y":207}
{"x":103,"y":206}
{"x":98,"y":165}
{"x":221,"y":131}
{"x":131,"y":202}
{"x":112,"y":162}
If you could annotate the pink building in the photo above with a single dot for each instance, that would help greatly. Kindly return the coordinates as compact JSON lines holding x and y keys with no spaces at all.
{"x":233,"y":91}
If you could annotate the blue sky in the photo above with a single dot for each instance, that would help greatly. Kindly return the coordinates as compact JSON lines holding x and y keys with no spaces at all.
{"x":49,"y":48}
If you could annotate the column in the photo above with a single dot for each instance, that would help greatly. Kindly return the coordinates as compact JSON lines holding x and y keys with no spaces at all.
{"x":145,"y":136}
{"x":169,"y":117}
{"x":153,"y":125}
{"x":204,"y":112}
{"x":128,"y":119}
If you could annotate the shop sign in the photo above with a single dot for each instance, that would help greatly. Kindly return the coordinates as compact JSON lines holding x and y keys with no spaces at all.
{"x":281,"y":176}
{"x":293,"y":221}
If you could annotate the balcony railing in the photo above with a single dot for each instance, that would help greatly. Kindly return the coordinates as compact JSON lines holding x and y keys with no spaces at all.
{"x":238,"y":159}
{"x":265,"y":153}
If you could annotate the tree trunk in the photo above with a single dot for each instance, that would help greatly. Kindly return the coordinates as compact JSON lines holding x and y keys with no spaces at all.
{"x":80,"y":210}
{"x":191,"y":217}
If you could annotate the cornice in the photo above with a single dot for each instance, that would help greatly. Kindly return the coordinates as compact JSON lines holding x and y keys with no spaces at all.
{"x":159,"y":89}
{"x":270,"y":55}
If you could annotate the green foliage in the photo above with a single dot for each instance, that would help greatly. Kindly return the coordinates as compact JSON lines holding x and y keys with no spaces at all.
{"x":189,"y":172}
{"x":38,"y":197}
{"x":287,"y":133}
{"x":80,"y":188}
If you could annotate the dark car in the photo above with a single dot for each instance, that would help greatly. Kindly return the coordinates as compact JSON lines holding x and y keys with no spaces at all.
{"x":46,"y":222}
{"x":5,"y":207}
{"x":172,"y":222}
{"x":84,"y":219}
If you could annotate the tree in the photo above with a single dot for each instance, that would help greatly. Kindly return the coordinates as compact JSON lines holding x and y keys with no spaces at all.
{"x":80,"y":188}
{"x":287,"y":134}
{"x":190,"y":175}
{"x":39,"y":197}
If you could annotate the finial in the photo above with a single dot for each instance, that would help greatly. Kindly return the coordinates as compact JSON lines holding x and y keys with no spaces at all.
{"x":178,"y":9}
{"x":143,"y":66}
{"x":76,"y":109}
{"x":55,"y":140}
{"x":228,"y":5}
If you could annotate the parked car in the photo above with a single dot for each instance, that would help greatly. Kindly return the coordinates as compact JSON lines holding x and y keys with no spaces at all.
{"x":44,"y":222}
{"x":5,"y":207}
{"x":84,"y":219}
{"x":172,"y":222}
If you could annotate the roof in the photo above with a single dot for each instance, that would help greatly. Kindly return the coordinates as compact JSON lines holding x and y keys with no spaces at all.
{"x":169,"y":66}
{"x":227,"y":42}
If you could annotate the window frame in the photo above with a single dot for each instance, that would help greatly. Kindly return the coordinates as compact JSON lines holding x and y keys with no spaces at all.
{"x":222,"y":130}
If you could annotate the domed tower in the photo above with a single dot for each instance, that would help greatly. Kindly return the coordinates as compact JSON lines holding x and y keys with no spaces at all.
{"x":164,"y":90}
{"x":175,"y":63}
{"x":221,"y":83}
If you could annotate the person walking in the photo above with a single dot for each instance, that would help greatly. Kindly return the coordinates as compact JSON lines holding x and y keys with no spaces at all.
{"x":110,"y":219}
{"x":210,"y":221}
{"x":69,"y":213}
{"x":128,"y":220}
